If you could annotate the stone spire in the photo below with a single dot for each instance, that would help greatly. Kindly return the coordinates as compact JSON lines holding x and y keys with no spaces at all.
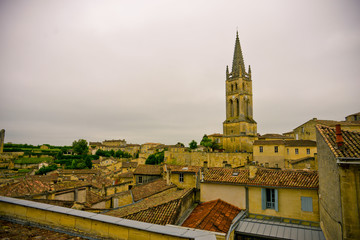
{"x":227,"y":72}
{"x":238,"y":67}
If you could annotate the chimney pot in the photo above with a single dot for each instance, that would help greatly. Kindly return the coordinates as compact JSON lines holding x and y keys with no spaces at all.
{"x":339,"y":137}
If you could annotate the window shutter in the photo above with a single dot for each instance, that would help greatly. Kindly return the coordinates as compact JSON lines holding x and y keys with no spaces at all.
{"x":263,"y":198}
{"x":276,"y":200}
{"x":306,"y":204}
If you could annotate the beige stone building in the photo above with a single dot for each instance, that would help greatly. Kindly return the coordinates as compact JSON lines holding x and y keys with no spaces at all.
{"x":307,"y":131}
{"x":285,"y":153}
{"x":339,"y":182}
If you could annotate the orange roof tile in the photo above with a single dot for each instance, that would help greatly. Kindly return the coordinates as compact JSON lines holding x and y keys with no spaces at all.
{"x":149,"y":189}
{"x":143,"y":169}
{"x":265,"y":177}
{"x":183,"y":168}
{"x":351,"y":147}
{"x":161,"y":209}
{"x":215,"y":215}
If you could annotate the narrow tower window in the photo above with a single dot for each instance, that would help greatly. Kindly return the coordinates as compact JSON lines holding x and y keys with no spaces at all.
{"x":231,"y":108}
{"x":237,"y":107}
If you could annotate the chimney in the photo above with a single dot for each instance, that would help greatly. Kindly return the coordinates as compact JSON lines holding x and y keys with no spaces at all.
{"x":252,"y":172}
{"x":339,"y":137}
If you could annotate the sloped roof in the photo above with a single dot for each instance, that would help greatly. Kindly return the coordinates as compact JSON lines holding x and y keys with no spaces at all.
{"x":92,"y":198}
{"x":265,"y":177}
{"x":126,"y":175}
{"x":159,"y":214}
{"x":160,"y":209}
{"x":274,"y":136}
{"x":25,"y":187}
{"x":149,"y":189}
{"x":144,"y":169}
{"x":183,"y":168}
{"x":129,"y":164}
{"x":351,"y":147}
{"x":38,"y":185}
{"x":330,"y":123}
{"x":301,"y":160}
{"x":215,"y":215}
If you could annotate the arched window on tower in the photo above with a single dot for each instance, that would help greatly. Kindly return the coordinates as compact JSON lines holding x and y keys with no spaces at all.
{"x":232,"y":87}
{"x":236,"y":86}
{"x":231,"y":108}
{"x":237,"y":107}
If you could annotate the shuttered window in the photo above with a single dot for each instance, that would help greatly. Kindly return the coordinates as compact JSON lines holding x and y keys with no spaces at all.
{"x":269,"y":199}
{"x":306,"y":204}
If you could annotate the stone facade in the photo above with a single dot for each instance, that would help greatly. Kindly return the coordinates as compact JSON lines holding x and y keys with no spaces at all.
{"x":282,"y":153}
{"x":204,"y":159}
{"x":307,"y":131}
{"x":239,"y":128}
{"x":339,"y":185}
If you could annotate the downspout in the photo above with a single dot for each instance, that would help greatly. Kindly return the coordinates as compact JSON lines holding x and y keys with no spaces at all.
{"x":235,"y":223}
{"x":247,"y":198}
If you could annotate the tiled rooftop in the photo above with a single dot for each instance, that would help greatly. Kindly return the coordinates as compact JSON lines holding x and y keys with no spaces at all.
{"x":159,"y":209}
{"x":215,"y":215}
{"x":144,"y":169}
{"x":301,"y":160}
{"x":92,"y":198}
{"x":126,"y":175}
{"x":149,"y":189}
{"x":273,"y":136}
{"x":182,"y":168}
{"x":264,"y":177}
{"x":129,"y":164}
{"x":351,"y":147}
{"x":36,"y":185}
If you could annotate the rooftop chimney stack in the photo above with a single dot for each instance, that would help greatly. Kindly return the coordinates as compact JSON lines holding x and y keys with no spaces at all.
{"x":339,"y":137}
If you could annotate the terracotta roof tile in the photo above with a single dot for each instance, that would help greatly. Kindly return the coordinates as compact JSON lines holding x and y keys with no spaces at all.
{"x":161,"y":209}
{"x":274,"y":136}
{"x":215,"y":215}
{"x":351,"y":147}
{"x":129,"y":164}
{"x":146,"y":190}
{"x":126,"y":175}
{"x":265,"y":177}
{"x":183,"y":168}
{"x":143,"y":169}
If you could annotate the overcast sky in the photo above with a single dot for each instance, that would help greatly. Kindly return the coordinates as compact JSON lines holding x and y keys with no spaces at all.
{"x":154,"y":71}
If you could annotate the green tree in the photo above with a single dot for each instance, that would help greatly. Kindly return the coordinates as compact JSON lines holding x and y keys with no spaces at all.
{"x":155,"y":158}
{"x":206,"y":142}
{"x":88,"y":163}
{"x":43,"y":170}
{"x":80,"y":147}
{"x":193,"y":144}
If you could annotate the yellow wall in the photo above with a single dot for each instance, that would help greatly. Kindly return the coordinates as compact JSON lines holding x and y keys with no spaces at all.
{"x":307,"y":130}
{"x":212,"y":159}
{"x":189,"y":180}
{"x":233,"y":194}
{"x":268,"y":156}
{"x":83,"y":225}
{"x":289,"y":204}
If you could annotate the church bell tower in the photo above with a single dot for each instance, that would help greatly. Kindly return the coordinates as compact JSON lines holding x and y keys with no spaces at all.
{"x":239,"y":128}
